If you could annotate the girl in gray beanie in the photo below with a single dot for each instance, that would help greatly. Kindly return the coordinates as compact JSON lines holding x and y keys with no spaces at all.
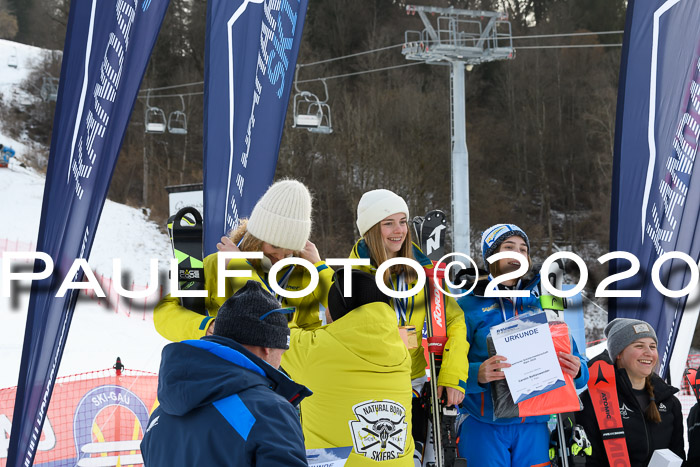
{"x":650,"y":412}
{"x":279,"y":227}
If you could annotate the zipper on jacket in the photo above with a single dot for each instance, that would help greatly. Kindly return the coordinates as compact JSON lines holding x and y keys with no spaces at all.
{"x":628,"y":388}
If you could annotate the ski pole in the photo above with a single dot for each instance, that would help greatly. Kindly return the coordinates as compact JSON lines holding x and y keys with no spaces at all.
{"x":563,"y":448}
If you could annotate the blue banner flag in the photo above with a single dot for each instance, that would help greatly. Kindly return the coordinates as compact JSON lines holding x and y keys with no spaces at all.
{"x":656,"y":190}
{"x":107,"y":47}
{"x":251,"y":53}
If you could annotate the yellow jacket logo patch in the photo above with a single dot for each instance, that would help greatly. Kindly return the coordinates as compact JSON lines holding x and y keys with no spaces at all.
{"x":379,"y":432}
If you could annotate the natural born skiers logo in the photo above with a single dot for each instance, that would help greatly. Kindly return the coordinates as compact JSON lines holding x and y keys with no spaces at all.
{"x":379,"y":432}
{"x":276,"y":40}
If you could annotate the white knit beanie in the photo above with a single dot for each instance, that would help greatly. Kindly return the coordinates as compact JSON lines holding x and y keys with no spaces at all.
{"x":282,"y":217}
{"x":376,"y":205}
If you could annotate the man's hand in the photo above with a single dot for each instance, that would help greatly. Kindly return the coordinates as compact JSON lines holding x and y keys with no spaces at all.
{"x":454,"y":396}
{"x":490,"y":370}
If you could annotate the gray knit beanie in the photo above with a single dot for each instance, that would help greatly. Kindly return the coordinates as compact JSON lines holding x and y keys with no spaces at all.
{"x":621,"y":332}
{"x":253,"y":317}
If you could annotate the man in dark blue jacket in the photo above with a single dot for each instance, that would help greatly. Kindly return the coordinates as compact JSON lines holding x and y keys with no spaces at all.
{"x":223,"y":401}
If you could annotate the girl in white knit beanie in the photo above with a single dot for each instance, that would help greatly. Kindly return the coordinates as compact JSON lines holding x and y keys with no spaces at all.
{"x":279,"y":227}
{"x":382,"y":219}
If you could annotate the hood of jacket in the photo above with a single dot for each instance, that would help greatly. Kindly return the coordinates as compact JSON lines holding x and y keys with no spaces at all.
{"x":196,"y":373}
{"x":360,"y":330}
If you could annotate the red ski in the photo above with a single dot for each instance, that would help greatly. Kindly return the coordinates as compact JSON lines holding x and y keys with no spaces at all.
{"x":603,"y":391}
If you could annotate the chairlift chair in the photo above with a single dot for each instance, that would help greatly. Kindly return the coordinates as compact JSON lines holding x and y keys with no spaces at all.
{"x":12,"y":60}
{"x":154,"y":118}
{"x":310,"y":112}
{"x":177,"y":120}
{"x":49,"y":89}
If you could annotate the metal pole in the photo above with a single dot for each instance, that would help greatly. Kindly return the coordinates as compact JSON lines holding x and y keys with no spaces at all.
{"x":145,"y":173}
{"x":460,"y":162}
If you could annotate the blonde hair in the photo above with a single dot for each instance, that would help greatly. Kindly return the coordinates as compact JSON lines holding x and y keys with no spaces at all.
{"x":377,"y":253}
{"x":246,"y":241}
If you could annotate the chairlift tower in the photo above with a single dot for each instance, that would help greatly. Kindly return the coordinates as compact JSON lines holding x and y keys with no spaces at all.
{"x":460,"y":39}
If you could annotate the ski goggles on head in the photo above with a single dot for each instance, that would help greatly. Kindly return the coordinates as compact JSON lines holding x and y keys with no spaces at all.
{"x":288,"y":311}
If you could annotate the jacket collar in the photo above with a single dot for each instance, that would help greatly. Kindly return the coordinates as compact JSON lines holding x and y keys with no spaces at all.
{"x":232,"y":351}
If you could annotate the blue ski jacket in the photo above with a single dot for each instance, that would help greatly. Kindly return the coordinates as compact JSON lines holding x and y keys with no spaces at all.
{"x":480,"y":314}
{"x":221,"y":405}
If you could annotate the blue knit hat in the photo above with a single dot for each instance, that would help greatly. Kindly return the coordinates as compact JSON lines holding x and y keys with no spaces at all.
{"x":492,"y":238}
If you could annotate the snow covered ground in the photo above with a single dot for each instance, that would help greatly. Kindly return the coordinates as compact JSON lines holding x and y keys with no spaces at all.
{"x":98,"y":334}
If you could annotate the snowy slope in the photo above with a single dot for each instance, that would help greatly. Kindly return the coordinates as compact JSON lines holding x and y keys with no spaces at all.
{"x":98,"y":334}
{"x":24,"y":57}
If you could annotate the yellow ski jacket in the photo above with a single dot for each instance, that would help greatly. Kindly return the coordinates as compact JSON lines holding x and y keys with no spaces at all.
{"x":455,"y":366}
{"x":177,"y":323}
{"x":360,"y":373}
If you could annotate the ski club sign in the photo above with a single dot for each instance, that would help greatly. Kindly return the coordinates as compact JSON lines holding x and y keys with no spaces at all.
{"x":97,"y":423}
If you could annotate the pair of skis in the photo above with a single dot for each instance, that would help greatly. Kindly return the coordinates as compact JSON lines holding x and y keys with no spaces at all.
{"x":430,"y":234}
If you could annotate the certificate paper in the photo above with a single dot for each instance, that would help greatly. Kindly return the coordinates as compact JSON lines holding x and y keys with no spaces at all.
{"x":526,"y":343}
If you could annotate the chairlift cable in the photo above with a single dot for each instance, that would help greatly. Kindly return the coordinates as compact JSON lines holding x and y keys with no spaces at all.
{"x":172,"y":87}
{"x":196,"y":93}
{"x":361,"y":72}
{"x":571,"y":34}
{"x":570,"y":46}
{"x":351,"y":55}
{"x":537,"y":36}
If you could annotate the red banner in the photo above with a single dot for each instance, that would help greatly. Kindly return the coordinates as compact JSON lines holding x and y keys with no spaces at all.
{"x":94,"y":419}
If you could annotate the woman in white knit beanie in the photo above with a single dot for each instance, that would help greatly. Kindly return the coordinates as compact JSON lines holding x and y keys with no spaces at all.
{"x":382,"y":220}
{"x":279,"y":227}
